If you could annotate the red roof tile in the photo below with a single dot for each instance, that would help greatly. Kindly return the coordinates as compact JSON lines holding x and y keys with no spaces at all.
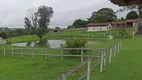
{"x":131,"y":20}
{"x":115,"y":23}
{"x":98,"y":24}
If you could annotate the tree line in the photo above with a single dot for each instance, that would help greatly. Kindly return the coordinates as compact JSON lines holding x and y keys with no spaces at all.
{"x":100,"y":16}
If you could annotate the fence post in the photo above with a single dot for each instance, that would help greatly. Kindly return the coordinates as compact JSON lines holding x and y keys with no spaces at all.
{"x":4,"y":51}
{"x":101,"y":65}
{"x":118,"y":47}
{"x":46,"y":53}
{"x":82,"y":55}
{"x":89,"y":69}
{"x":104,"y":57}
{"x":12,"y":52}
{"x":21,"y":53}
{"x":62,"y":57}
{"x":110,"y":55}
{"x":64,"y":77}
{"x":33,"y":53}
{"x":115,"y":50}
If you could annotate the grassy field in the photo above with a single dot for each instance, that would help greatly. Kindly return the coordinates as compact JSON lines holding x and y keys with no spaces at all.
{"x":67,"y":34}
{"x":27,"y":68}
{"x":126,"y":66}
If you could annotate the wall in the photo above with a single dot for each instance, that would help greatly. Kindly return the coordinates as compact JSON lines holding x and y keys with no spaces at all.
{"x":97,"y":28}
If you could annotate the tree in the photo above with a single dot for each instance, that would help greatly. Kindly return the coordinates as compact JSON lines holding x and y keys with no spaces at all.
{"x":103,"y":15}
{"x":38,"y":20}
{"x":3,"y":35}
{"x":57,"y":28}
{"x":28,"y":24}
{"x":69,"y":27}
{"x":44,"y":13}
{"x":79,"y":24}
{"x":135,"y":7}
{"x":31,"y":21}
{"x":132,"y":15}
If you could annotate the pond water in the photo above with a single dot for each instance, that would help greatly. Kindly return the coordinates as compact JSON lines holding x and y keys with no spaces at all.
{"x":51,"y":43}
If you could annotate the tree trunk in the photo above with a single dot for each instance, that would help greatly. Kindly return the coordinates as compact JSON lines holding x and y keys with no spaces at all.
{"x":140,"y":11}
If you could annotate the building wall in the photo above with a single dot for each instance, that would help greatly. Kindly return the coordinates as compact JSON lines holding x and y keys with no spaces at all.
{"x":97,"y":28}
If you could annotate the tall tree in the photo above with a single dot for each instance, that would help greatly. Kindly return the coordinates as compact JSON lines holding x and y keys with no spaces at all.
{"x":103,"y":15}
{"x":45,"y":13}
{"x":28,"y":24}
{"x":79,"y":23}
{"x":132,"y":15}
{"x":32,"y":16}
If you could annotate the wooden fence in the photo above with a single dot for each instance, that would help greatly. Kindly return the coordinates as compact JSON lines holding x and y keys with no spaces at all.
{"x":13,"y":51}
{"x":103,"y":55}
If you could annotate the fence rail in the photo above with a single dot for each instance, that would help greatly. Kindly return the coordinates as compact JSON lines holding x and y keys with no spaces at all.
{"x":103,"y":61}
{"x":13,"y":51}
{"x":102,"y":56}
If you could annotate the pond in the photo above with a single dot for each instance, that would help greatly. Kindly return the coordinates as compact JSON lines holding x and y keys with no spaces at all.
{"x":51,"y":43}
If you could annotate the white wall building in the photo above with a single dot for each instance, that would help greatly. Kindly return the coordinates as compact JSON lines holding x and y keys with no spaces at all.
{"x":99,"y":27}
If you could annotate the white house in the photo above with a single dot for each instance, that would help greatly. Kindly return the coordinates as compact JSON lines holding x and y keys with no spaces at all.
{"x":99,"y":26}
{"x":130,"y":23}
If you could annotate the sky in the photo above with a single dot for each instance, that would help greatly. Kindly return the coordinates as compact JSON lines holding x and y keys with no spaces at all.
{"x":12,"y":12}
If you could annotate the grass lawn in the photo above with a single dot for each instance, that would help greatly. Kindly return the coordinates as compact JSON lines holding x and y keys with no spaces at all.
{"x":126,"y":66}
{"x":66,"y":34}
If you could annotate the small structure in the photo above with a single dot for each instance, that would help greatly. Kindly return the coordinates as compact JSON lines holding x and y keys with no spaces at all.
{"x":109,"y":37}
{"x":99,"y":26}
{"x":130,"y":23}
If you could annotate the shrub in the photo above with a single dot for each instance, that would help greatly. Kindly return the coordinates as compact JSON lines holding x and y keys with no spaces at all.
{"x":76,"y":43}
{"x":3,"y":35}
{"x":123,"y":32}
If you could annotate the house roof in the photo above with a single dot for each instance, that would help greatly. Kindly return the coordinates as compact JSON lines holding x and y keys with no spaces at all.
{"x":117,"y":23}
{"x":131,"y":20}
{"x":99,"y":24}
{"x":113,"y":23}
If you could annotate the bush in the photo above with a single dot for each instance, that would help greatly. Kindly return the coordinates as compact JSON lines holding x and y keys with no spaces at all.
{"x":76,"y":43}
{"x":125,"y":32}
{"x":3,"y":35}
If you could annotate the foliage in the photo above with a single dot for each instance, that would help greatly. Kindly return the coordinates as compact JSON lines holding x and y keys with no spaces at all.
{"x":79,"y":24}
{"x":39,"y":20}
{"x":45,"y":13}
{"x":42,"y":43}
{"x":3,"y":35}
{"x":40,"y":33}
{"x":132,"y":15}
{"x":70,"y":26}
{"x":28,"y":25}
{"x":57,"y":28}
{"x":125,"y":32}
{"x":76,"y":43}
{"x":103,"y":15}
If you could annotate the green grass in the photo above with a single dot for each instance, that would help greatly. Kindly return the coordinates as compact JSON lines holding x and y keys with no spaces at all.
{"x":126,"y":66}
{"x":27,"y":68}
{"x":66,"y":34}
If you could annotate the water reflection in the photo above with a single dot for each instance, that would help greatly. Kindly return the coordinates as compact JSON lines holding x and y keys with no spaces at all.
{"x":41,"y":43}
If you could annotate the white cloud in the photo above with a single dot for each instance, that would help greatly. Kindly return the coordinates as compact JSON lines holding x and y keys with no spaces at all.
{"x":12,"y":12}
